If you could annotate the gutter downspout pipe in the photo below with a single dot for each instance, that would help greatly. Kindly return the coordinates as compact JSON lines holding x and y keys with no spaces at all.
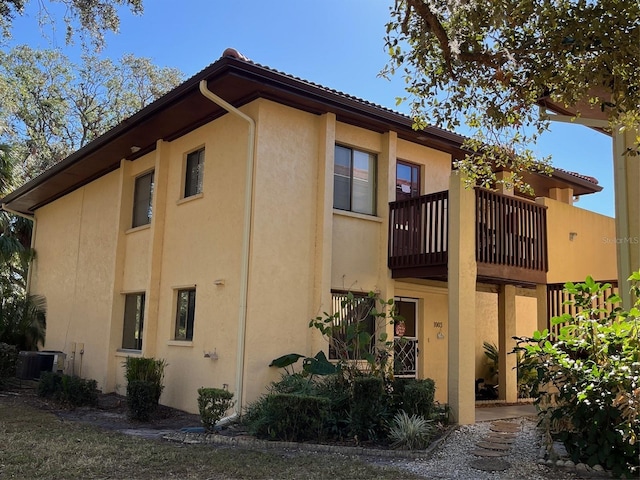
{"x":33,"y":237}
{"x":246,"y":245}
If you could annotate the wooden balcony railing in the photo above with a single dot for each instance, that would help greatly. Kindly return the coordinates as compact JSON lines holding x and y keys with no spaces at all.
{"x":560,"y":302}
{"x":510,"y":241}
{"x":510,"y":231}
{"x":418,"y":232}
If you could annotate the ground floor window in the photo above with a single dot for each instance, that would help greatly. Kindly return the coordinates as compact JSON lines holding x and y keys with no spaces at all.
{"x":354,"y":325}
{"x":185,"y":314}
{"x":133,"y":321}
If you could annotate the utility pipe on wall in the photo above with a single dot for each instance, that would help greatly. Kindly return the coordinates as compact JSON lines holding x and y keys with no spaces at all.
{"x":33,"y":237}
{"x":246,"y":242}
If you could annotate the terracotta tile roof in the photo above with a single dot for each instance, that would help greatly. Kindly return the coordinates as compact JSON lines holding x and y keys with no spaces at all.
{"x":587,"y":178}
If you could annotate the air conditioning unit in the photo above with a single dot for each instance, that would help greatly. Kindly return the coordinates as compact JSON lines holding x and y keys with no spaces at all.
{"x":51,"y":361}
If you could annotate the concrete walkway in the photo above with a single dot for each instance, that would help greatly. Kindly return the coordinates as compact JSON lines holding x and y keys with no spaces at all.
{"x":501,"y":412}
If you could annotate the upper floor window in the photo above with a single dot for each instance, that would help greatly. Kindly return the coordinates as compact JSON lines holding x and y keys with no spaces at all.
{"x":142,"y":197}
{"x":133,"y":321}
{"x":407,"y":180}
{"x":185,"y":314}
{"x":193,"y":173}
{"x":354,"y":181}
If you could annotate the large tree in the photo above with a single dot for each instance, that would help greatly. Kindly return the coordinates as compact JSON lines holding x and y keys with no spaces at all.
{"x":93,"y":17}
{"x":494,"y":60}
{"x":54,"y":106}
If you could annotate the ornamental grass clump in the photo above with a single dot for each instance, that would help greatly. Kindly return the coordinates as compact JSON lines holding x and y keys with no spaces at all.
{"x":410,"y":432}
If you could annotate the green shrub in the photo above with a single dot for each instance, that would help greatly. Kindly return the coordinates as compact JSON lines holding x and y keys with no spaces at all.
{"x":141,"y":399}
{"x":288,"y":417}
{"x":8,"y":360}
{"x":336,"y":389}
{"x":418,"y":397}
{"x":368,"y":408}
{"x":49,"y":385}
{"x":213,"y":403}
{"x":409,"y":432}
{"x":68,"y":389}
{"x":145,"y":378}
{"x":588,"y":378}
{"x":148,"y":370}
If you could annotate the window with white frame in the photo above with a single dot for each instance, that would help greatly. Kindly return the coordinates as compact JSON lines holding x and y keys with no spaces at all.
{"x":354,"y":180}
{"x":185,"y":314}
{"x":133,"y":321}
{"x":194,"y":172}
{"x":142,"y":198}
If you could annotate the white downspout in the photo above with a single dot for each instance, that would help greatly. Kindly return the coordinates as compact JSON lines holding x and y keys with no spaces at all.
{"x":246,"y":244}
{"x":33,"y":238}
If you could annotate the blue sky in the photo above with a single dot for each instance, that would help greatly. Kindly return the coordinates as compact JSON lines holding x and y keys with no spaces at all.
{"x":336,"y":43}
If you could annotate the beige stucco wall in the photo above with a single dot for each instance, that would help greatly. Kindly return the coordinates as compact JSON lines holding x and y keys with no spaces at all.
{"x":74,"y":270}
{"x":300,"y":249}
{"x":432,"y":320}
{"x":436,"y":165}
{"x":487,"y":323}
{"x":580,"y":243}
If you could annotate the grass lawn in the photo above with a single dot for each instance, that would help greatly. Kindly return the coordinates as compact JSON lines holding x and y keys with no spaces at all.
{"x":36,"y":444}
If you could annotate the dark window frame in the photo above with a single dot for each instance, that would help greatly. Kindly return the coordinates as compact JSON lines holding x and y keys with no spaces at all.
{"x":134,"y":304}
{"x":415,"y":182}
{"x":348,"y":201}
{"x":185,"y":314}
{"x":194,"y":173}
{"x":143,"y":199}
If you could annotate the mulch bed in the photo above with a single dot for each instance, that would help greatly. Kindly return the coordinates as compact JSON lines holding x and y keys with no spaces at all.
{"x":110,"y":412}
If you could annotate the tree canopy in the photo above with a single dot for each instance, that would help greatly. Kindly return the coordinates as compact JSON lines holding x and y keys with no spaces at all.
{"x":54,"y":106}
{"x":94,"y":17}
{"x":493,"y":61}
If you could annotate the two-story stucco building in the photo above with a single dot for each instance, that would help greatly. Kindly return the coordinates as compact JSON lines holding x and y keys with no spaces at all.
{"x":208,"y":233}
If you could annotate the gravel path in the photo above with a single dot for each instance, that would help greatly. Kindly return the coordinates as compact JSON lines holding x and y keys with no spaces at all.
{"x":453,"y":459}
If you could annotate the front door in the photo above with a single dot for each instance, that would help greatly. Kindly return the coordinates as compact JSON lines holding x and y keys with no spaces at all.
{"x":405,"y":339}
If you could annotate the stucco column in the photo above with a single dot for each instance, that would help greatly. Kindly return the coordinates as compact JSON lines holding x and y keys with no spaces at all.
{"x":507,"y":375}
{"x":386,"y":194}
{"x":541,"y":304}
{"x":462,"y":270}
{"x":159,"y":208}
{"x":124,"y":200}
{"x":626,"y":175}
{"x":324,"y":227}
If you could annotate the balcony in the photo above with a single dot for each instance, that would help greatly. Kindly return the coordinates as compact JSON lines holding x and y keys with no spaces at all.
{"x":510,"y":238}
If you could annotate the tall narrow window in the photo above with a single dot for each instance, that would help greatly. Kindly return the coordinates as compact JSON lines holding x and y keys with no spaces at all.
{"x":194,"y":173}
{"x":142,"y":197}
{"x":353,"y":314}
{"x":354,"y":181}
{"x":407,"y":180}
{"x":133,"y":321}
{"x":185,"y":314}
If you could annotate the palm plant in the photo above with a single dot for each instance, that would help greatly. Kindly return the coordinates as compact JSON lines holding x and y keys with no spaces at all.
{"x":23,"y":320}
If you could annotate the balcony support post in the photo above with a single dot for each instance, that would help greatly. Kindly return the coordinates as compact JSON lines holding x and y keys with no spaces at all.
{"x":462,"y":269}
{"x":541,"y":300}
{"x":507,"y":373}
